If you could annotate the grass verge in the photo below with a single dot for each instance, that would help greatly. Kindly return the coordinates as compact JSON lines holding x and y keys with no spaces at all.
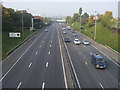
{"x":103,"y":35}
{"x":9,"y":43}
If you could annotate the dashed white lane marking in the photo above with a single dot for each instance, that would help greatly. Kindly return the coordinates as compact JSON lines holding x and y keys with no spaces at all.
{"x":43,"y":86}
{"x":19,"y":85}
{"x":50,"y":45}
{"x":51,"y":41}
{"x":46,"y":64}
{"x":102,"y":86}
{"x":36,"y":53}
{"x":83,"y":46}
{"x":49,"y":53}
{"x":30,"y":65}
{"x":18,"y":59}
{"x":40,"y":46}
{"x":86,"y":63}
{"x":90,"y":53}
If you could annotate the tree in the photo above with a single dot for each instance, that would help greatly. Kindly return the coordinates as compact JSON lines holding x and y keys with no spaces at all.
{"x":80,"y":12}
{"x":76,"y":17}
{"x":107,"y":19}
{"x":91,"y":21}
{"x":84,"y":18}
{"x":68,"y":19}
{"x":11,"y":19}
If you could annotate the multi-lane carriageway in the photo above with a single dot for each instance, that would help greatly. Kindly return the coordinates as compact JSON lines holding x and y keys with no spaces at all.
{"x":39,"y":63}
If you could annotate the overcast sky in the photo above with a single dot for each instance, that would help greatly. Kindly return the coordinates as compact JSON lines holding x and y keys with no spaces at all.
{"x":63,"y":7}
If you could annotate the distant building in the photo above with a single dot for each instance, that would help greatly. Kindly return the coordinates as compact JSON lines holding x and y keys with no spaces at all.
{"x":38,"y":22}
{"x":97,"y":17}
{"x":60,"y":21}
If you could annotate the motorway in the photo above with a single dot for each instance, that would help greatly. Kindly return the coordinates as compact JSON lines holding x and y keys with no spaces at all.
{"x":41,"y":65}
{"x":88,"y":76}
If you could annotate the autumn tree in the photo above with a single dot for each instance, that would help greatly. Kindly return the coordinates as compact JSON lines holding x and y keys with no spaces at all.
{"x":106,"y":19}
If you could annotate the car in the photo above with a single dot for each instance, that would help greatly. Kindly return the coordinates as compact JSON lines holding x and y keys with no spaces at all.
{"x":64,"y":32}
{"x":68,"y":27}
{"x":67,"y":39}
{"x":81,"y":28}
{"x":74,"y":34}
{"x":46,"y":30}
{"x":76,"y":41}
{"x":63,"y":28}
{"x":73,"y":31}
{"x":85,"y":42}
{"x":98,"y":61}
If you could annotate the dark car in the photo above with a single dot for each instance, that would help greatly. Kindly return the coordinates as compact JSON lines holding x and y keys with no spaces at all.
{"x":81,"y":28}
{"x":46,"y":30}
{"x":67,"y":39}
{"x":74,"y":34}
{"x":98,"y":61}
{"x":73,"y":31}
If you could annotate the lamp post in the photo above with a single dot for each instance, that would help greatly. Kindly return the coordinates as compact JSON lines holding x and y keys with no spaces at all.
{"x":95,"y":26}
{"x":23,"y":24}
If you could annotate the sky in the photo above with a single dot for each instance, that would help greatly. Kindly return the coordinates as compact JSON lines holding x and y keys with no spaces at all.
{"x":51,"y":8}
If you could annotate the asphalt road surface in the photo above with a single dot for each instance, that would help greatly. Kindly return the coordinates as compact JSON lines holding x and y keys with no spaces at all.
{"x":88,"y":76}
{"x":40,"y":65}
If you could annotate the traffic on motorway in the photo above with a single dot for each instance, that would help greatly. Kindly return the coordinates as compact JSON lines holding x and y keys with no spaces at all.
{"x":42,"y":65}
{"x":96,"y":59}
{"x":59,"y":45}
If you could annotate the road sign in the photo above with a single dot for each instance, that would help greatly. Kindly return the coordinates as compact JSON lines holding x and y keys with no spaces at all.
{"x":31,"y":28}
{"x":14,"y":34}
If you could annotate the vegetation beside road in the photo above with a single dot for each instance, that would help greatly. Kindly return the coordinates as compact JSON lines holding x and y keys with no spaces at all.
{"x":9,"y":43}
{"x":106,"y":27}
{"x":13,"y":21}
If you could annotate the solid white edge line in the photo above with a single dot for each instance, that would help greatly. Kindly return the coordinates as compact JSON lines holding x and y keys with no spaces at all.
{"x":30,"y":65}
{"x":43,"y":86}
{"x":63,"y":67}
{"x":102,"y":86}
{"x":18,"y":60}
{"x":19,"y":85}
{"x":72,"y":66}
{"x":107,"y":56}
{"x":90,"y":53}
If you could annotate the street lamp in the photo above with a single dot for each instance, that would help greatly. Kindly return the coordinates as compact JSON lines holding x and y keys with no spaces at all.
{"x":23,"y":24}
{"x":95,"y":25}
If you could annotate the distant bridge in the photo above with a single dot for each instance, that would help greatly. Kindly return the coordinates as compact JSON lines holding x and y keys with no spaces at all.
{"x":61,"y":21}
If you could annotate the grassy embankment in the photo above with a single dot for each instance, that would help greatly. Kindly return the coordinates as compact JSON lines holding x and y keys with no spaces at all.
{"x":103,"y":35}
{"x":9,"y":43}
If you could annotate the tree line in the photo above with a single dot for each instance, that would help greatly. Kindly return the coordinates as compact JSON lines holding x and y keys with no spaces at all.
{"x":106,"y":19}
{"x":12,"y":20}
